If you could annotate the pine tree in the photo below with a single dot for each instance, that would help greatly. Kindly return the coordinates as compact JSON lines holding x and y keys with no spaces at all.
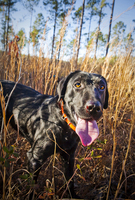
{"x":6,"y":7}
{"x":37,"y":30}
{"x":91,"y":7}
{"x":101,"y":15}
{"x":66,"y":6}
{"x":110,"y":24}
{"x":29,"y":5}
{"x":79,"y":14}
{"x":55,"y":7}
{"x":23,"y":40}
{"x":118,"y":31}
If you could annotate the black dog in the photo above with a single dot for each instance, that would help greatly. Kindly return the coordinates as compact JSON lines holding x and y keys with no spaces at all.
{"x":62,"y":120}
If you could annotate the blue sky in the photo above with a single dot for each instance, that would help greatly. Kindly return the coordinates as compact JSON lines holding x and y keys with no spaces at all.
{"x":120,"y":7}
{"x":21,"y":18}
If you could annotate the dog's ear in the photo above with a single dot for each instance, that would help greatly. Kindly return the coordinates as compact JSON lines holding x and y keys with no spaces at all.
{"x":61,"y":89}
{"x":106,"y":99}
{"x":106,"y":95}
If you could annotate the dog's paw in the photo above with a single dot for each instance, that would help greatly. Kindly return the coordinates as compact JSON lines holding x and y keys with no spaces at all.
{"x":75,"y":196}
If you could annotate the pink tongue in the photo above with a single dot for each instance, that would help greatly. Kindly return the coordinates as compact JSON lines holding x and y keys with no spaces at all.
{"x":87,"y":131}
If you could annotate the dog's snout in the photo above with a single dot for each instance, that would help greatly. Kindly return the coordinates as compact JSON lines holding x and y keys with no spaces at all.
{"x":93,"y":106}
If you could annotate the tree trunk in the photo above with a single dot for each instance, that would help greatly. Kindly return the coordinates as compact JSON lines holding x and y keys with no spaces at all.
{"x":110,"y":24}
{"x":30,"y":33}
{"x":8,"y":5}
{"x":4,"y":34}
{"x":4,"y":22}
{"x":80,"y":33}
{"x":54,"y":28}
{"x":89,"y":28}
{"x":99,"y":22}
{"x":59,"y":50}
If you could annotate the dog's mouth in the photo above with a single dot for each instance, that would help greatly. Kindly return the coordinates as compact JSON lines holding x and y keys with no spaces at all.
{"x":87,"y":130}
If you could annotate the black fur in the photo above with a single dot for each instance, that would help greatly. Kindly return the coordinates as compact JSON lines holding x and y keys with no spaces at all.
{"x":40,"y":119}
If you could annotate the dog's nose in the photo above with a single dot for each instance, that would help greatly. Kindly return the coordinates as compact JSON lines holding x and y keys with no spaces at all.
{"x":92,"y":106}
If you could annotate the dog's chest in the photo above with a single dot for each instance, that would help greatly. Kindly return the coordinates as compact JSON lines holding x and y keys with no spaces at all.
{"x":69,"y":140}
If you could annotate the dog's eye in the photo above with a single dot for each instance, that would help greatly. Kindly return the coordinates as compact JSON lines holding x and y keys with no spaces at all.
{"x":78,"y":85}
{"x":101,"y":87}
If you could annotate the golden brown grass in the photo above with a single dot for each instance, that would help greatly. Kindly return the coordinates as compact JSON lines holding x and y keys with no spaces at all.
{"x":104,"y":171}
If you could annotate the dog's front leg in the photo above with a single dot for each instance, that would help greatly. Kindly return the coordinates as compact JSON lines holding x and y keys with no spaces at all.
{"x":37,"y":155}
{"x":68,"y":159}
{"x":34,"y":165}
{"x":68,"y":166}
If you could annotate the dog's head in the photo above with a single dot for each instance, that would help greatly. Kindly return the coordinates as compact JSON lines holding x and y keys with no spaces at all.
{"x":85,"y":95}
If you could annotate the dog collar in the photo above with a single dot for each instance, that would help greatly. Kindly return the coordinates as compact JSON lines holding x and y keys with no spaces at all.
{"x":65,"y":116}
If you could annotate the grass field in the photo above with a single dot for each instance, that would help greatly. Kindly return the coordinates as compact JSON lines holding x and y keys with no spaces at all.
{"x":106,"y":170}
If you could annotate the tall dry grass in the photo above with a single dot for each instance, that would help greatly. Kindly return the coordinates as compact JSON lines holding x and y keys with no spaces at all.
{"x":106,"y":170}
